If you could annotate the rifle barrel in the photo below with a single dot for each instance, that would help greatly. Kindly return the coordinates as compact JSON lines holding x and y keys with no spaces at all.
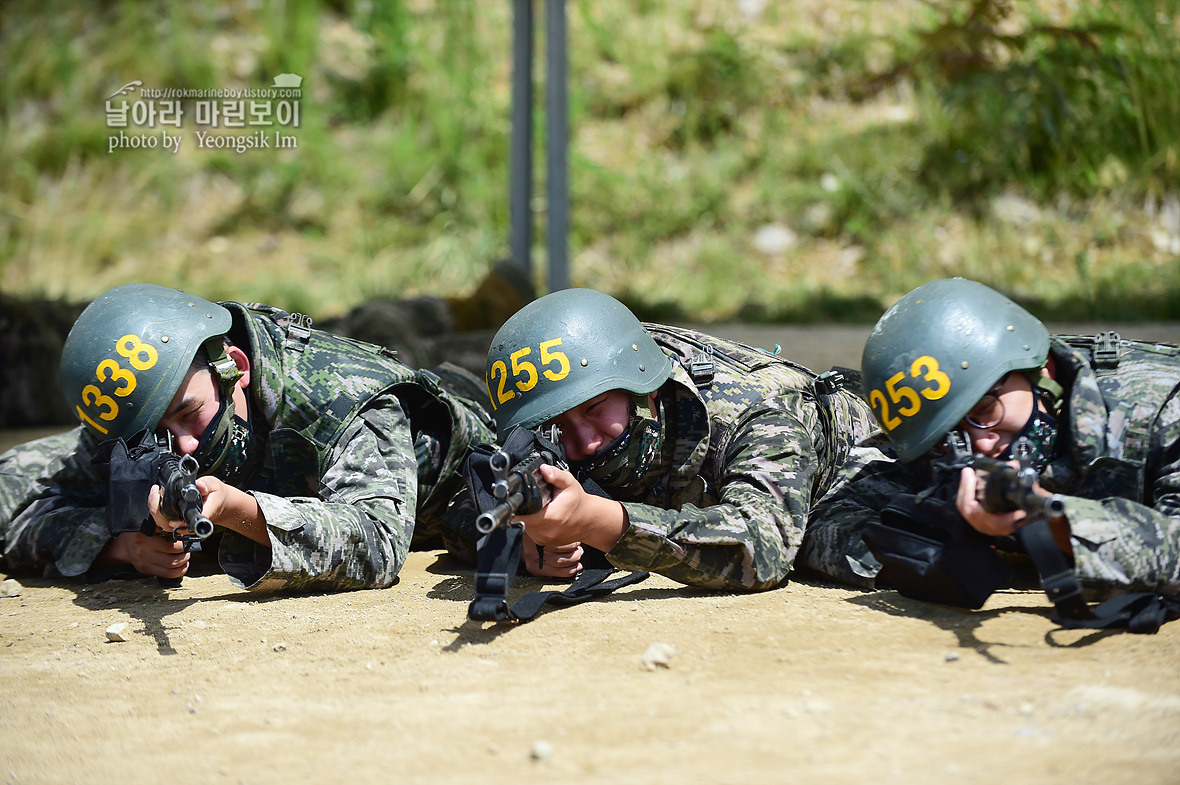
{"x":499,"y":516}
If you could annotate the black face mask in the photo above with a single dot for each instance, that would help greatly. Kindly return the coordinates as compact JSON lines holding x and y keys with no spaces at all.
{"x":226,"y":449}
{"x":626,"y":460}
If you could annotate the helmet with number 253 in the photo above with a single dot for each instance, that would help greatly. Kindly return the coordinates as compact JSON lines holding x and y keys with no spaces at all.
{"x":937,"y":351}
{"x":129,"y":351}
{"x":561,"y":350}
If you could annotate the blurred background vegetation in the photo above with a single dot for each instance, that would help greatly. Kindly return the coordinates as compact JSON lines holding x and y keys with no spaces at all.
{"x":804,"y":160}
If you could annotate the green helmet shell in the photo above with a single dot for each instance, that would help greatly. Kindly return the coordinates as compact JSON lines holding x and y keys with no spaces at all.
{"x":129,"y":351}
{"x":937,"y":351}
{"x":563,"y":349}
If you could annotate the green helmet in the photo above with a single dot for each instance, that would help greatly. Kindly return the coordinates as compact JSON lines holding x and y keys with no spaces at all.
{"x":129,"y":351}
{"x":937,"y":351}
{"x":562,"y":350}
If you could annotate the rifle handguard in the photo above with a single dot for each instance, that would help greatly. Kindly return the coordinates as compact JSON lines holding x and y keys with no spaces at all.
{"x":181,"y":499}
{"x":520,"y":489}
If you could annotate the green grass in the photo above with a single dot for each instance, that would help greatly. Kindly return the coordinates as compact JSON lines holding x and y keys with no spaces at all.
{"x":1014,"y":143}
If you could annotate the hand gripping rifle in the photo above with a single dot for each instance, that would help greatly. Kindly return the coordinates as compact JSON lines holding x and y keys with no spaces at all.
{"x":932,"y":554}
{"x":1006,"y":488}
{"x":505,"y":481}
{"x":133,"y":468}
{"x":181,"y":499}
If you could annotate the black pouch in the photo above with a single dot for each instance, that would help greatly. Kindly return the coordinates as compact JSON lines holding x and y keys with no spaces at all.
{"x":131,"y":466}
{"x":931,"y":553}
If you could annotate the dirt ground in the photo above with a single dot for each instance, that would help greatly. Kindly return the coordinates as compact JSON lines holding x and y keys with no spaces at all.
{"x":807,"y":683}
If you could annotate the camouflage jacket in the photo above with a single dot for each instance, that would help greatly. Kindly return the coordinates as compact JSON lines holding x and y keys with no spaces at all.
{"x":355,"y":446}
{"x":749,"y":444}
{"x":1117,"y":462}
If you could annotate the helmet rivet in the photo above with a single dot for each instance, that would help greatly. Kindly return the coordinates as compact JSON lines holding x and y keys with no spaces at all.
{"x":584,"y":363}
{"x":163,"y":339}
{"x":1026,"y":347}
{"x":963,"y":365}
{"x":635,"y":347}
{"x":1011,"y":328}
{"x":208,"y":316}
{"x":642,"y":367}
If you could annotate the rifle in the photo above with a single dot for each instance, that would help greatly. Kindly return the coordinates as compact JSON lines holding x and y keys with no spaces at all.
{"x":505,"y":481}
{"x":1003,"y":487}
{"x":932,"y":554}
{"x":519,"y":489}
{"x":134,"y":469}
{"x":180,"y":499}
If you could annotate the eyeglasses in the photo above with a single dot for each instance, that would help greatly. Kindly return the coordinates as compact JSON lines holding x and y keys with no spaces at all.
{"x":989,"y":412}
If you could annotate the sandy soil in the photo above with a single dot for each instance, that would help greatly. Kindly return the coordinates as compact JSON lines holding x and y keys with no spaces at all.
{"x":808,"y":683}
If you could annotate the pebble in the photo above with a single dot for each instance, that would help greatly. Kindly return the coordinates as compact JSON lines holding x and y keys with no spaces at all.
{"x":542,"y":750}
{"x":658,"y":655}
{"x":118,"y":632}
{"x":11,"y":588}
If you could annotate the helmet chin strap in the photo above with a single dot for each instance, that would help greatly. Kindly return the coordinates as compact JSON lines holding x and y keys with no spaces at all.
{"x":1048,"y":392}
{"x":224,"y":367}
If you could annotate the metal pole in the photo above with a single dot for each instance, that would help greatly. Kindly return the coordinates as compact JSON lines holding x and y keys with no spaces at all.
{"x":556,"y":140}
{"x":521,"y":153}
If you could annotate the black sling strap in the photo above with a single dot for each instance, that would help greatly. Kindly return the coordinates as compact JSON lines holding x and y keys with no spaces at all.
{"x":499,"y":555}
{"x":1139,"y":612}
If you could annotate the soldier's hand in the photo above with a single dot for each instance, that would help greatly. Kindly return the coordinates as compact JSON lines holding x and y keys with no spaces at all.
{"x":971,"y":508}
{"x":150,"y":555}
{"x":155,"y":499}
{"x":556,"y":523}
{"x":573,"y":515}
{"x":555,"y":561}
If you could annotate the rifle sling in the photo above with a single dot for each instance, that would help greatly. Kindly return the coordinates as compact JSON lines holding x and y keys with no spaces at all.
{"x":1139,"y":612}
{"x":499,"y":555}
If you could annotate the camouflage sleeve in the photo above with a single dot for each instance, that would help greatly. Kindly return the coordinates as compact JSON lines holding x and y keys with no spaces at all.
{"x":356,"y":533}
{"x":54,"y":506}
{"x":748,"y":540}
{"x":867,"y":481}
{"x":23,"y":465}
{"x":446,"y":512}
{"x":1121,"y":543}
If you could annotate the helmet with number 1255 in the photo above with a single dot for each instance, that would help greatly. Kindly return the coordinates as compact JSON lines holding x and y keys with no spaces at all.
{"x":129,"y":351}
{"x":563,"y":349}
{"x":937,"y":351}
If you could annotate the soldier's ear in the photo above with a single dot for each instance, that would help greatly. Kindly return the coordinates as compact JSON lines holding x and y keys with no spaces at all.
{"x":242,"y":362}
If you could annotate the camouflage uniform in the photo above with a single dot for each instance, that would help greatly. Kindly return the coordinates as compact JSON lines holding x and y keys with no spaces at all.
{"x":24,"y":464}
{"x":748,"y":445}
{"x":1117,"y":462}
{"x":353,"y":447}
